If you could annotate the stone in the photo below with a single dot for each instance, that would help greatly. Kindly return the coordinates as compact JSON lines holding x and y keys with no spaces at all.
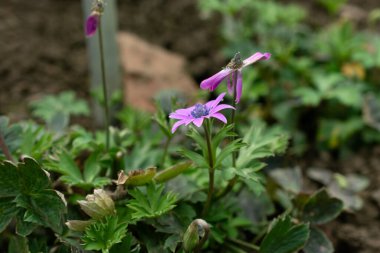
{"x":149,"y":70}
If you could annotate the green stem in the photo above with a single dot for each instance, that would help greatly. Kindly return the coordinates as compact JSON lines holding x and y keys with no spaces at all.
{"x":5,"y":148}
{"x":166,"y":147}
{"x":245,"y":244}
{"x":234,"y":83}
{"x":232,"y":181}
{"x":211,"y":170}
{"x":104,"y":84}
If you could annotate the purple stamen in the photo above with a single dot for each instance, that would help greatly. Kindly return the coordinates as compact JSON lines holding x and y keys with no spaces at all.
{"x":199,"y":111}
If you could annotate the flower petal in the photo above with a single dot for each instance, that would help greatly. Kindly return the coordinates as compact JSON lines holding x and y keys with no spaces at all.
{"x":198,"y":122}
{"x":230,"y":86}
{"x":221,"y":107}
{"x":211,"y":104}
{"x":255,"y":57}
{"x":174,"y":115}
{"x":239,"y":87}
{"x":220,"y":117}
{"x":92,"y":23}
{"x":176,"y":125}
{"x":212,"y":82}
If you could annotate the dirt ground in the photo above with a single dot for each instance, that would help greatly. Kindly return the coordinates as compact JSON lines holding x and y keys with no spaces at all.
{"x":42,"y":49}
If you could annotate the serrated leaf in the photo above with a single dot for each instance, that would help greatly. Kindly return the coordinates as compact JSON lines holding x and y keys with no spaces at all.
{"x":321,"y":208}
{"x":24,"y":228}
{"x":91,"y":167}
{"x":318,"y":242}
{"x":261,"y":143}
{"x":33,"y":178}
{"x":285,"y":237}
{"x":152,"y":204}
{"x":8,"y":210}
{"x":44,"y":208}
{"x":9,"y":180}
{"x":103,"y":234}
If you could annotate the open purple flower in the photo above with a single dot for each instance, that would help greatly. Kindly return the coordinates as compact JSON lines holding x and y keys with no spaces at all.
{"x":92,"y":24}
{"x":197,"y":113}
{"x":230,"y":71}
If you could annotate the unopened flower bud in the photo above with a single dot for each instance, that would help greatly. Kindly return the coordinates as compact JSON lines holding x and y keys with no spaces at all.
{"x":172,"y":172}
{"x":78,"y":225}
{"x":195,"y":235}
{"x":140,"y":177}
{"x":97,"y":205}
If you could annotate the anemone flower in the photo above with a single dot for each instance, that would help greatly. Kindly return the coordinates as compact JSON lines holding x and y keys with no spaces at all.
{"x":197,"y":113}
{"x":92,"y":24}
{"x":230,"y":71}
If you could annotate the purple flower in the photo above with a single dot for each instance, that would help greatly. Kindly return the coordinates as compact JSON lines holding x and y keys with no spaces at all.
{"x":232,"y":69}
{"x":197,"y":113}
{"x":92,"y":24}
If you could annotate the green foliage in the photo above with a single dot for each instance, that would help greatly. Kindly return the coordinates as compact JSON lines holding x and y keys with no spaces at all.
{"x":103,"y":234}
{"x":11,"y":134}
{"x":284,"y":237}
{"x":152,"y":204}
{"x":318,"y":242}
{"x":321,"y":208}
{"x":56,"y":110}
{"x":333,"y":6}
{"x":86,"y":178}
{"x":25,"y":188}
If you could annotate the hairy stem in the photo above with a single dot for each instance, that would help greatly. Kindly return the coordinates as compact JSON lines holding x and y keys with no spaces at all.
{"x":5,"y":148}
{"x":104,"y":84}
{"x":211,"y":170}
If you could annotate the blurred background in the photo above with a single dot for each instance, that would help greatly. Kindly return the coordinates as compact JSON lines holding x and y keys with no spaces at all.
{"x":321,"y":85}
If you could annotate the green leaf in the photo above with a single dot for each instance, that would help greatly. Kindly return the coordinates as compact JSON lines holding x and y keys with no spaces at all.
{"x":18,"y":244}
{"x":68,"y":167}
{"x":103,"y":234}
{"x":32,"y":177}
{"x":284,"y":237}
{"x":172,"y":172}
{"x":91,"y":167}
{"x":226,"y":151}
{"x":24,"y":228}
{"x":172,"y":241}
{"x":8,"y":210}
{"x":11,"y":134}
{"x":289,"y":179}
{"x":54,"y":109}
{"x":321,"y":208}
{"x":318,"y":242}
{"x":9,"y":180}
{"x":152,"y":204}
{"x":195,"y":157}
{"x":44,"y":208}
{"x":261,"y":143}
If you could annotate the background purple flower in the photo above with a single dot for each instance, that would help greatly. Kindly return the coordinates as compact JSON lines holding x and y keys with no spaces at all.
{"x":232,"y":69}
{"x":92,"y":24}
{"x":197,"y":113}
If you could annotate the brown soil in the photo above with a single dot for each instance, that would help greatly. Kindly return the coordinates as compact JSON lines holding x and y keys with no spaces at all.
{"x":357,"y":232}
{"x":42,"y":44}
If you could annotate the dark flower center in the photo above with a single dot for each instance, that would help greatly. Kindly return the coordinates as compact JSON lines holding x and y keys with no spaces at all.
{"x":236,"y":62}
{"x":199,"y":111}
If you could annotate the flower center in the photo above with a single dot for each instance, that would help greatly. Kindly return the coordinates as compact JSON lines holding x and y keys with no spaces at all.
{"x":236,"y":62}
{"x":199,"y":111}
